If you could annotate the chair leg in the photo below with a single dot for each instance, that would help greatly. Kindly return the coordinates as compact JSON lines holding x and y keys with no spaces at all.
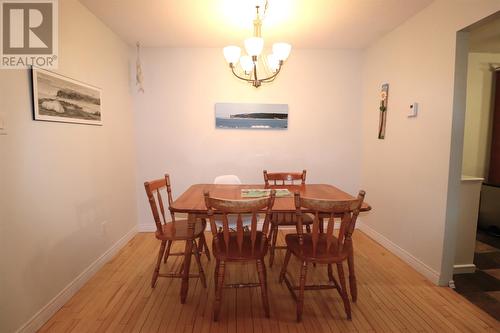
{"x":199,"y":245}
{"x":203,"y":247}
{"x":332,"y":279}
{"x":308,"y":229}
{"x":218,"y":292}
{"x":200,"y":268}
{"x":273,"y":244}
{"x":345,"y":298}
{"x":167,"y":251}
{"x":352,"y":278}
{"x":330,"y":273}
{"x":158,"y":262}
{"x":263,"y":285}
{"x":285,"y":265}
{"x":216,"y":273}
{"x":300,"y":298}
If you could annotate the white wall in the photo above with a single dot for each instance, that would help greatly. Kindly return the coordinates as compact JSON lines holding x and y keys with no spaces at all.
{"x":58,"y":181}
{"x":406,"y":175}
{"x":175,"y":124}
{"x":477,"y":134}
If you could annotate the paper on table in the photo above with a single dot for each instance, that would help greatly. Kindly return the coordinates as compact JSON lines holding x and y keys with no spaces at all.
{"x":259,"y":192}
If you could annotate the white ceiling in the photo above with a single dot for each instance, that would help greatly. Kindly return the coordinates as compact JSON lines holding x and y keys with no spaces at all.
{"x":216,"y":23}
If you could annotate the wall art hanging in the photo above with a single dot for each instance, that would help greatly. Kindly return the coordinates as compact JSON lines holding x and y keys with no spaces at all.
{"x":384,"y":94}
{"x":251,"y":116}
{"x":62,"y":99}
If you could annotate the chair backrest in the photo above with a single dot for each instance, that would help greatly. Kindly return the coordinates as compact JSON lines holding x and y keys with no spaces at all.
{"x":226,"y":208}
{"x":227,"y":179}
{"x":346,"y":210}
{"x":154,"y":189}
{"x":284,"y":178}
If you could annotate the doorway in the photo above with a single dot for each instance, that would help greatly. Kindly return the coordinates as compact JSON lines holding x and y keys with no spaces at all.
{"x":477,"y":255}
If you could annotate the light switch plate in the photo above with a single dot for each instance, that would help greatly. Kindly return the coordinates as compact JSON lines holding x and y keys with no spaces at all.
{"x":3,"y":124}
{"x":413,"y":110}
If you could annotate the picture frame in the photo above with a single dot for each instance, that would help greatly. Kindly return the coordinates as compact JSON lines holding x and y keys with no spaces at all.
{"x":59,"y":98}
{"x":251,"y":116}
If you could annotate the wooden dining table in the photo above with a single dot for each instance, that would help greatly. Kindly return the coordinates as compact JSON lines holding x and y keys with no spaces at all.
{"x":192,"y":202}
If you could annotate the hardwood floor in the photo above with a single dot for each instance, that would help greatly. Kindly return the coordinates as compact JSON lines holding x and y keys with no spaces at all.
{"x":392,"y":298}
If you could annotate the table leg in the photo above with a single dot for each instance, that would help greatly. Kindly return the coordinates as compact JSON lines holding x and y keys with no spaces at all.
{"x":187,"y":258}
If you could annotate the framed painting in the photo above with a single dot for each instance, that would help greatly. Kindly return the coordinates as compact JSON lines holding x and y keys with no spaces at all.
{"x":251,"y":116}
{"x":62,"y":99}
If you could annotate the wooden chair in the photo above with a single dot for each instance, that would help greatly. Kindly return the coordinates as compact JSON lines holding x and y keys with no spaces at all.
{"x":231,"y":180}
{"x":239,"y":245}
{"x":284,"y":219}
{"x":176,"y":230}
{"x":322,"y":248}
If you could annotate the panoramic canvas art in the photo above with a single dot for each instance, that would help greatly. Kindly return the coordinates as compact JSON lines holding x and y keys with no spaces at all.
{"x":251,"y":116}
{"x":58,"y":98}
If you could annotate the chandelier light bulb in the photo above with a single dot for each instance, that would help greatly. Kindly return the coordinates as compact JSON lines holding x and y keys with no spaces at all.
{"x":232,"y":54}
{"x":282,"y":50}
{"x":246,"y":63}
{"x":254,"y":45}
{"x":272,"y":62}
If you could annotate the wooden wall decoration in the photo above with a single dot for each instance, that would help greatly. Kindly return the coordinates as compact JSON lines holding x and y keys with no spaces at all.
{"x":384,"y":94}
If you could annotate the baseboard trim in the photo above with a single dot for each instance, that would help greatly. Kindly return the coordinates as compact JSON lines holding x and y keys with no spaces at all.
{"x":404,"y":255}
{"x":464,"y":269}
{"x":146,"y":228}
{"x":42,"y":316}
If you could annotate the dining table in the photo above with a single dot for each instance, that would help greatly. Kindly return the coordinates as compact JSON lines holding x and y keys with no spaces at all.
{"x":192,"y":203}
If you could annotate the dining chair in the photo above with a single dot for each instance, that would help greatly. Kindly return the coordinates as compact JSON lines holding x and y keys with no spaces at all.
{"x":231,"y":180}
{"x":227,"y":179}
{"x":284,"y":219}
{"x":238,"y":245}
{"x":175,"y":230}
{"x":322,"y":248}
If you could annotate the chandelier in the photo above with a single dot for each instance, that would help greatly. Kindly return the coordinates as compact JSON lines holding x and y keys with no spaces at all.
{"x":270,"y":65}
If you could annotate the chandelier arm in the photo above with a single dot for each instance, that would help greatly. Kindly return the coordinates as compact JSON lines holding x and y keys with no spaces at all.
{"x":272,"y":77}
{"x":239,"y":77}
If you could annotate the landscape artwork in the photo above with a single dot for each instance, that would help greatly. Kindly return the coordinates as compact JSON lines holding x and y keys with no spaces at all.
{"x":59,"y":98}
{"x":251,"y":116}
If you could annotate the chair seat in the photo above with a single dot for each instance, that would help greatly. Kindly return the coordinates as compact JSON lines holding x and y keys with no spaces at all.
{"x":305,"y":251}
{"x":246,"y":252}
{"x":178,"y":230}
{"x":290,"y":219}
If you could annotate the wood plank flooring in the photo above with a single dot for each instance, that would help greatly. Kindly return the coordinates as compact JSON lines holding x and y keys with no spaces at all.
{"x":392,"y":298}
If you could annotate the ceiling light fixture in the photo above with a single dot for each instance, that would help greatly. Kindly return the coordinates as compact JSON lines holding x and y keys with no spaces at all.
{"x":254,"y":59}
